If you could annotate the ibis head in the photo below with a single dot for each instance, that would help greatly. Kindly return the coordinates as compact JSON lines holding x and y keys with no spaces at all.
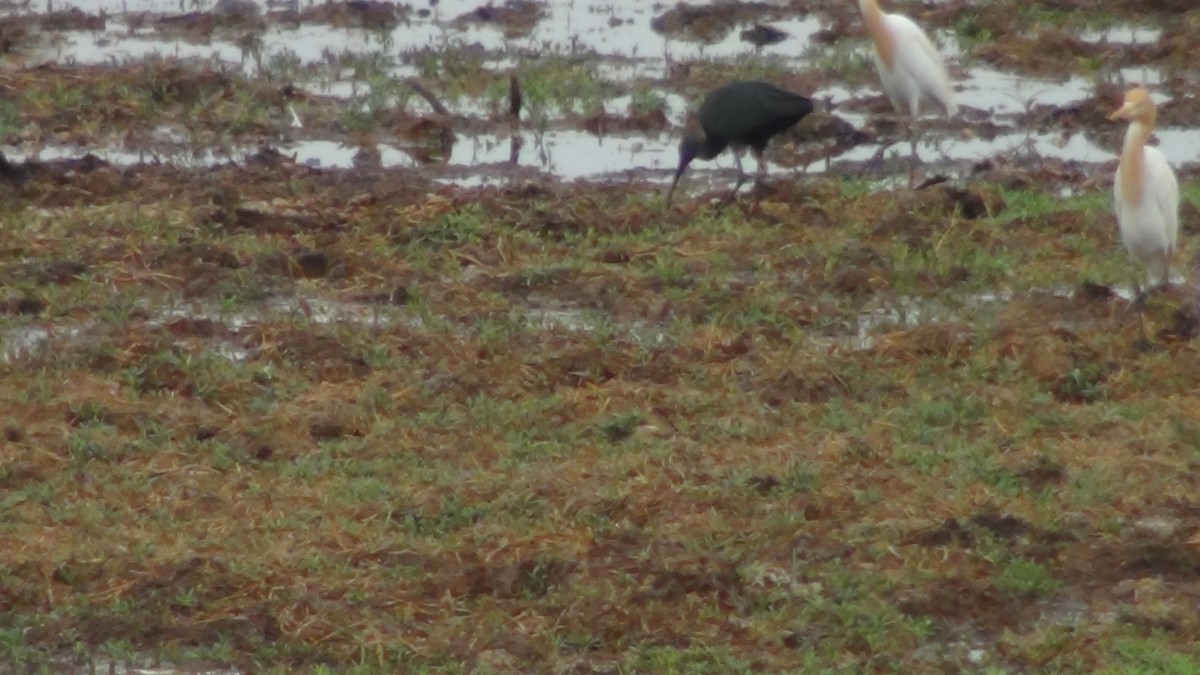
{"x":695,"y":143}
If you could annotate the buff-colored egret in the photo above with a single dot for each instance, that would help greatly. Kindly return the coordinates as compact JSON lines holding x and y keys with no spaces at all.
{"x":1145,"y":192}
{"x":739,"y":114}
{"x":910,"y":69}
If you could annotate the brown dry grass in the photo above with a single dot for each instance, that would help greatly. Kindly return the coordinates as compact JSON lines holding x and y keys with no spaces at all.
{"x":679,"y":471}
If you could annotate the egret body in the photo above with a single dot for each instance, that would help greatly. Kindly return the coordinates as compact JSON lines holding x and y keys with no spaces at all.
{"x":910,"y":69}
{"x":1145,"y":192}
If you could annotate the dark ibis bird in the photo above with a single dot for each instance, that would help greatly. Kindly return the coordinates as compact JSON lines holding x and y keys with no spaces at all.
{"x":739,"y":114}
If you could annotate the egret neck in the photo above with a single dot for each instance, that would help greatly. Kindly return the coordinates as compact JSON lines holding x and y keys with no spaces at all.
{"x":878,"y":32}
{"x":1133,"y":159}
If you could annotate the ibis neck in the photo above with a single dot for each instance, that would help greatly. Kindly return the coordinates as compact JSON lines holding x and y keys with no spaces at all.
{"x":873,"y":19}
{"x":1133,"y":161}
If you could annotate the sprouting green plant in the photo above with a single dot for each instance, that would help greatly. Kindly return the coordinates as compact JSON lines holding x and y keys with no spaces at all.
{"x":1026,"y":577}
{"x":646,"y":101}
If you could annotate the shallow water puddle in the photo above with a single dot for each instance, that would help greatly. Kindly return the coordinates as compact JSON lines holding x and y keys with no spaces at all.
{"x":310,"y":307}
{"x":1122,"y":35}
{"x":578,"y":155}
{"x":20,"y":342}
{"x":557,"y":315}
{"x":1008,"y":94}
{"x":885,"y":316}
{"x":627,"y":48}
{"x":960,"y":152}
{"x":568,"y":27}
{"x":568,"y":154}
{"x":878,"y":318}
{"x":882,"y":315}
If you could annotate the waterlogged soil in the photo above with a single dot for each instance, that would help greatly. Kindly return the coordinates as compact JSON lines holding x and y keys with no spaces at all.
{"x":265,"y":411}
{"x":599,"y":91}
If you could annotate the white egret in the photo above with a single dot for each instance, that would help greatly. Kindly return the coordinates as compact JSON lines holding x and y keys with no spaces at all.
{"x":910,"y":69}
{"x":1145,"y":192}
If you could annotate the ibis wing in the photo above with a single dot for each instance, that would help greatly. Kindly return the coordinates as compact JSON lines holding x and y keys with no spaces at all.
{"x":744,"y":112}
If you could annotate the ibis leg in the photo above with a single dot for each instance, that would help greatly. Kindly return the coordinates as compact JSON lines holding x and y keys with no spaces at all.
{"x":741,"y":179}
{"x":759,"y":176}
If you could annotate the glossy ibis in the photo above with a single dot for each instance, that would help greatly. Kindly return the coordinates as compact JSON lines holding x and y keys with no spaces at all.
{"x":739,"y":114}
{"x":1146,"y":192}
{"x":910,"y":69}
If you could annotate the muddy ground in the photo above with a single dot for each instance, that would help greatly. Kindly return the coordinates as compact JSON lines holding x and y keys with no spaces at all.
{"x":414,"y":411}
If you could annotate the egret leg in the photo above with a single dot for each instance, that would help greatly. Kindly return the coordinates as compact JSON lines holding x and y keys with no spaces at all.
{"x":1159,"y":283}
{"x":1139,"y":297}
{"x":912,"y":157}
{"x":1139,"y":303}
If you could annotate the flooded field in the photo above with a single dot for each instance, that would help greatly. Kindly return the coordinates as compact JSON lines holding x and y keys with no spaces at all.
{"x":358,"y":337}
{"x":604,"y":88}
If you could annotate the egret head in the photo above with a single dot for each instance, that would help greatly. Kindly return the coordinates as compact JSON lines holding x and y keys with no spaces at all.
{"x":692,"y":145}
{"x":1138,"y":107}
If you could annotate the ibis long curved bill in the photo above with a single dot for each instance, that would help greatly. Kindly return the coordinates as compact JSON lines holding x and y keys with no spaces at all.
{"x":692,"y":141}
